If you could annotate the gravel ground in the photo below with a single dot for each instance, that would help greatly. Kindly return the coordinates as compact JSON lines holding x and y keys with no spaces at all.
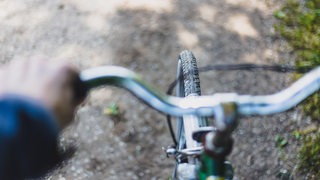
{"x":146,"y":37}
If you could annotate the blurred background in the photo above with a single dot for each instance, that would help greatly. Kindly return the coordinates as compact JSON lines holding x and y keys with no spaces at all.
{"x":116,"y":136}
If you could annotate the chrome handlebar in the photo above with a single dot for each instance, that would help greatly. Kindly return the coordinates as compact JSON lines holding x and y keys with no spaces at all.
{"x":203,"y":105}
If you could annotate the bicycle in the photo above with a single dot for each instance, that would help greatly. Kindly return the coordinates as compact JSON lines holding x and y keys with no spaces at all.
{"x":201,"y":149}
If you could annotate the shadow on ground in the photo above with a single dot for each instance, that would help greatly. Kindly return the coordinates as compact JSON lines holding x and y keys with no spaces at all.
{"x":147,"y":38}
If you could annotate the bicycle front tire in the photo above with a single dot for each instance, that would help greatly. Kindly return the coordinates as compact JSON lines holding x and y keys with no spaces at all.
{"x":188,"y":86}
{"x":190,"y":74}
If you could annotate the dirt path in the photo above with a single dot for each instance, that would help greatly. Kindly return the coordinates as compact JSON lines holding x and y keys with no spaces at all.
{"x":147,"y":36}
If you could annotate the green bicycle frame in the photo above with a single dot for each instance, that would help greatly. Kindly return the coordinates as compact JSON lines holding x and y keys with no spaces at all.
{"x":214,"y":169}
{"x":211,"y":168}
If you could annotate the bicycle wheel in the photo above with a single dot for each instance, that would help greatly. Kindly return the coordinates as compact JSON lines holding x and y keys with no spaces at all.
{"x":188,"y":86}
{"x":190,"y":74}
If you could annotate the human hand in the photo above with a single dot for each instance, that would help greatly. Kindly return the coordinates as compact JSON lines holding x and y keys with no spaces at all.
{"x":52,"y":84}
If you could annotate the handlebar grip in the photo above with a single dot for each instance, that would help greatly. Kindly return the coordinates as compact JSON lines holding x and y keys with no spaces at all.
{"x":80,"y":89}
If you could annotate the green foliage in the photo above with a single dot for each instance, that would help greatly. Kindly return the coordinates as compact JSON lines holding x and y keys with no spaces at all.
{"x":112,"y":110}
{"x":299,"y":24}
{"x":297,"y":135}
{"x":309,"y":155}
{"x":281,"y":142}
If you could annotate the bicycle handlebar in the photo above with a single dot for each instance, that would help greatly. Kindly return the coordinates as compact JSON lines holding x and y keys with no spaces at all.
{"x":203,"y":105}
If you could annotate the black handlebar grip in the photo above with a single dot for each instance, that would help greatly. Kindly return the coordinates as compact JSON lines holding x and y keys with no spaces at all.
{"x":80,"y":89}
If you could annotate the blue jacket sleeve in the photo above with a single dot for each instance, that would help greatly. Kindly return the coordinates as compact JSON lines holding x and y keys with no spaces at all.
{"x":28,"y":138}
